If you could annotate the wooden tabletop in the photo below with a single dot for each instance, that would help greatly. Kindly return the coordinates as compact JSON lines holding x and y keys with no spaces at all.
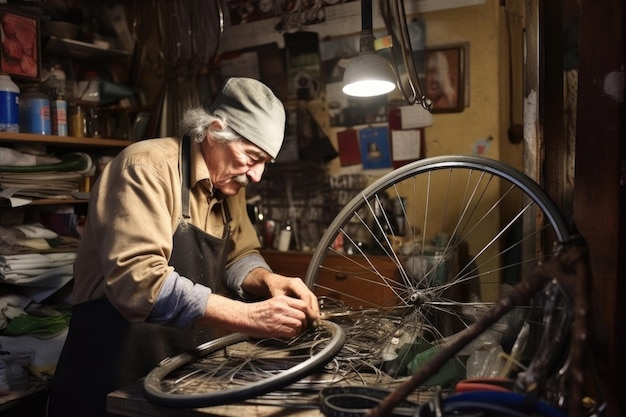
{"x":131,"y":402}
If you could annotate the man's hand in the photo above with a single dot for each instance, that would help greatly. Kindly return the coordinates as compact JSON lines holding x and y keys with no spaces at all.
{"x":294,"y":287}
{"x":280,"y":316}
{"x":289,"y":309}
{"x":263,"y":283}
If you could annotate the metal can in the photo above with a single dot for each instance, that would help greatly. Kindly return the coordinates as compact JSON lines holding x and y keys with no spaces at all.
{"x":58,"y":114}
{"x":34,"y":111}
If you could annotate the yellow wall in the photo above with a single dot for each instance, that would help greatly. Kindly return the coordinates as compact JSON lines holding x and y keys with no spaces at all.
{"x":456,"y":133}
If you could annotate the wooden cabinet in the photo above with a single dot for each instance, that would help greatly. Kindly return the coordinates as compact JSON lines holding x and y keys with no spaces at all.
{"x":338,"y":278}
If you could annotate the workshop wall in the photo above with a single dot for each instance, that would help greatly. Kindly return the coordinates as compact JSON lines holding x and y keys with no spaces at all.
{"x":479,"y":127}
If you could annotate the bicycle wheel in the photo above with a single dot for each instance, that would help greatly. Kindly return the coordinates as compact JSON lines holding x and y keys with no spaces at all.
{"x":425,"y":250}
{"x":235,"y":368}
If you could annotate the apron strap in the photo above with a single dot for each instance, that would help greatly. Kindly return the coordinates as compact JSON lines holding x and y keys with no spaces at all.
{"x":226,"y":217}
{"x":185,"y":171}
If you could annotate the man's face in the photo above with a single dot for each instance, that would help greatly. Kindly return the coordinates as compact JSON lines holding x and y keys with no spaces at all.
{"x":233,"y":164}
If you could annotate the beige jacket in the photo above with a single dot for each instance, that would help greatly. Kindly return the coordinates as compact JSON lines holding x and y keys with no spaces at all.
{"x":134,"y":210}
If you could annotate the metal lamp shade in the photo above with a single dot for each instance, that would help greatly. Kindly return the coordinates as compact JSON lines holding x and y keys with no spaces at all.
{"x":368,"y":75}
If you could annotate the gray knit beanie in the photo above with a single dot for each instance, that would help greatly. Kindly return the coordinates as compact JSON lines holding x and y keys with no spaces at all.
{"x":253,"y":111}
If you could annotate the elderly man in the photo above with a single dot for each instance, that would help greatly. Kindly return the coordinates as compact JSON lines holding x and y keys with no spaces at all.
{"x":167,"y":226}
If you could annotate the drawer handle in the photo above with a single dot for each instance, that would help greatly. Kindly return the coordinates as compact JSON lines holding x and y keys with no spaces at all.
{"x":341,"y":277}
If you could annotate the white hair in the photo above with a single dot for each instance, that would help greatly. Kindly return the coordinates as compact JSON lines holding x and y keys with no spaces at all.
{"x":198,"y":124}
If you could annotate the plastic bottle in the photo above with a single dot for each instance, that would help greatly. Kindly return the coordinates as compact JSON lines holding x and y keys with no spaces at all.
{"x":9,"y":105}
{"x":58,"y":115}
{"x":34,"y":111}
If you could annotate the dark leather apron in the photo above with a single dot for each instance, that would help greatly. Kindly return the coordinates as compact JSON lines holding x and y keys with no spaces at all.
{"x":104,"y":352}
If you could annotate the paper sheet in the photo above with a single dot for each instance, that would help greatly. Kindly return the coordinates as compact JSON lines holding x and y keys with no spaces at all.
{"x":406,"y":144}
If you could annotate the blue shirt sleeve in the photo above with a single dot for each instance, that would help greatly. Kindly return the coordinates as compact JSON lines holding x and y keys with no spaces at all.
{"x":181,"y":302}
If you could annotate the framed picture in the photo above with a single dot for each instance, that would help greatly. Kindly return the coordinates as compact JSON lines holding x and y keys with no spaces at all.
{"x":20,"y":49}
{"x":446,"y":78}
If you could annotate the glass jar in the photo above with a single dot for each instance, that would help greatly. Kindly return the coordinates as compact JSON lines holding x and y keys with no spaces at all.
{"x":78,"y":121}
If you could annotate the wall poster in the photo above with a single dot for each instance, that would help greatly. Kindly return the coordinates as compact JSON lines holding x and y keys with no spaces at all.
{"x":20,"y":52}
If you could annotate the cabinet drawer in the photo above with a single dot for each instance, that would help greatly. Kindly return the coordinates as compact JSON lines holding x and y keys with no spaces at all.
{"x":290,"y":264}
{"x":356,"y":283}
{"x":348,"y":279}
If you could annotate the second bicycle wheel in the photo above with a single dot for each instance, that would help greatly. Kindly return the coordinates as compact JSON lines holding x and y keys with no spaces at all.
{"x":422,"y":252}
{"x":236,"y":367}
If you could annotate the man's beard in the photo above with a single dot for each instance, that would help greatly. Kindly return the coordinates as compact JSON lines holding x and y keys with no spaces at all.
{"x":242,"y":180}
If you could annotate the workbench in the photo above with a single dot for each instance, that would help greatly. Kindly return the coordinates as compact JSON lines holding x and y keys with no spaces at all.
{"x":131,"y":402}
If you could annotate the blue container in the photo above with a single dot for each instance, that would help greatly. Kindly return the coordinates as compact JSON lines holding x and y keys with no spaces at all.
{"x":35,"y":111}
{"x":9,"y":105}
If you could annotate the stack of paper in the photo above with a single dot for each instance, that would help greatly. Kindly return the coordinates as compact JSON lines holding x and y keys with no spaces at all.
{"x":41,"y":184}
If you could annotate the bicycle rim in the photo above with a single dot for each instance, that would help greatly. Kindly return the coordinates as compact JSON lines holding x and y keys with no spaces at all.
{"x":235,"y":368}
{"x":425,"y":250}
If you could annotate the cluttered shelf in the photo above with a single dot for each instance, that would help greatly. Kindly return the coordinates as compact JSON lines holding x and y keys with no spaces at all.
{"x":44,"y":184}
{"x":75,"y":161}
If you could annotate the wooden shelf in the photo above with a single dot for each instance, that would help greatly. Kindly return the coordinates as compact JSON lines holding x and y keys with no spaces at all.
{"x":74,"y":49}
{"x":56,"y":201}
{"x":64,"y":140}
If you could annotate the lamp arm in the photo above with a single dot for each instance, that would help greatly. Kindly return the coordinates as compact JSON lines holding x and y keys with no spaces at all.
{"x":366,"y":40}
{"x":367,"y":21}
{"x":394,"y":16}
